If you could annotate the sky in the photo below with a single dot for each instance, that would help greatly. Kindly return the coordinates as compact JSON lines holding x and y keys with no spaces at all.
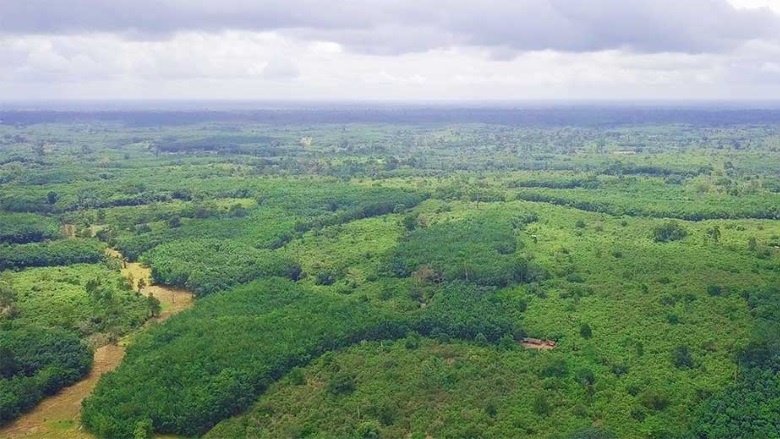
{"x":389,"y":50}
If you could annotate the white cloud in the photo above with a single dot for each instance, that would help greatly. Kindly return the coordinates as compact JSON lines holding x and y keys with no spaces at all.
{"x":357,"y":62}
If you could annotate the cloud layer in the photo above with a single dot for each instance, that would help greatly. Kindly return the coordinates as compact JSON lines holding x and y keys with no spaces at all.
{"x":393,"y":27}
{"x":380,"y":49}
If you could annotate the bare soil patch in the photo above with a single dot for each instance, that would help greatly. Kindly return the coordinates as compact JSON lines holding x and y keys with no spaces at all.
{"x":537,"y":343}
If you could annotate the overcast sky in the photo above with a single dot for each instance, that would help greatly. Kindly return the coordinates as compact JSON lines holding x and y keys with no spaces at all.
{"x":389,"y":49}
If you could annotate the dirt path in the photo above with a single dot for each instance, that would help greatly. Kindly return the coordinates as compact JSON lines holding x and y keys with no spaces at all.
{"x":58,"y":416}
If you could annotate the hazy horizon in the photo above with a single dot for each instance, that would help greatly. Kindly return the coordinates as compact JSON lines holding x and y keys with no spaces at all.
{"x":298,"y":104}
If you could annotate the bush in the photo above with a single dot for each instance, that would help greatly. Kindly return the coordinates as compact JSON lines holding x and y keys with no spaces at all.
{"x":342,"y":384}
{"x":654,"y":400}
{"x":585,"y":331}
{"x":714,"y":290}
{"x":682,"y":358}
{"x":591,"y":433}
{"x":670,"y":231}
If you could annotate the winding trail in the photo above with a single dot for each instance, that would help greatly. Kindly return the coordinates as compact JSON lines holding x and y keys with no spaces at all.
{"x":59,"y":416}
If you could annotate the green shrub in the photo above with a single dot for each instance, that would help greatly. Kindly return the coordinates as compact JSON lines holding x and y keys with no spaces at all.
{"x":669,"y":231}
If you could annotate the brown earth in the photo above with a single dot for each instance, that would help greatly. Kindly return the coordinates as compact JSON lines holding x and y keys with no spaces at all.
{"x":58,"y":416}
{"x":539,"y":344}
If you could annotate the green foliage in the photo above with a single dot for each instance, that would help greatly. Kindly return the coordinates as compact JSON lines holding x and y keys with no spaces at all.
{"x":143,"y":429}
{"x":8,"y":298}
{"x":750,"y":407}
{"x":221,"y":369}
{"x":23,"y":228}
{"x":222,"y":377}
{"x":64,"y":252}
{"x":207,"y":265}
{"x":59,"y":297}
{"x":585,"y":331}
{"x":465,"y":312}
{"x":154,"y":306}
{"x":449,"y":231}
{"x":670,"y":231}
{"x":35,"y":363}
{"x":644,"y":197}
{"x":341,"y":384}
{"x":682,"y":358}
{"x":591,"y":433}
{"x":481,"y":250}
{"x":407,"y":393}
{"x":654,"y":399}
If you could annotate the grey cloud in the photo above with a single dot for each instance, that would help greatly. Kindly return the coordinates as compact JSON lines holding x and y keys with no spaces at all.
{"x":391,"y":27}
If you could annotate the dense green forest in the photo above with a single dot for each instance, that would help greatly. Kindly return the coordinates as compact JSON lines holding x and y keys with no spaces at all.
{"x":379,"y":273}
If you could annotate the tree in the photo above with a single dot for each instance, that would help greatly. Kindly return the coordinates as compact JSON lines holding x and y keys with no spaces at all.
{"x":713,"y":233}
{"x":52,"y":197}
{"x":174,"y":222}
{"x":585,"y":377}
{"x":8,"y":365}
{"x":591,"y":433}
{"x":7,"y":292}
{"x":341,"y":384}
{"x":585,"y":331}
{"x":93,"y":289}
{"x":409,"y":222}
{"x":682,"y":358}
{"x":238,"y":211}
{"x":669,"y":231}
{"x":8,"y":298}
{"x":39,"y":148}
{"x":143,"y":429}
{"x":141,"y":284}
{"x":154,"y":306}
{"x":507,"y":342}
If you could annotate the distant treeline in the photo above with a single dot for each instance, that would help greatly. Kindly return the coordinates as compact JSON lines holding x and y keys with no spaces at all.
{"x":582,"y":115}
